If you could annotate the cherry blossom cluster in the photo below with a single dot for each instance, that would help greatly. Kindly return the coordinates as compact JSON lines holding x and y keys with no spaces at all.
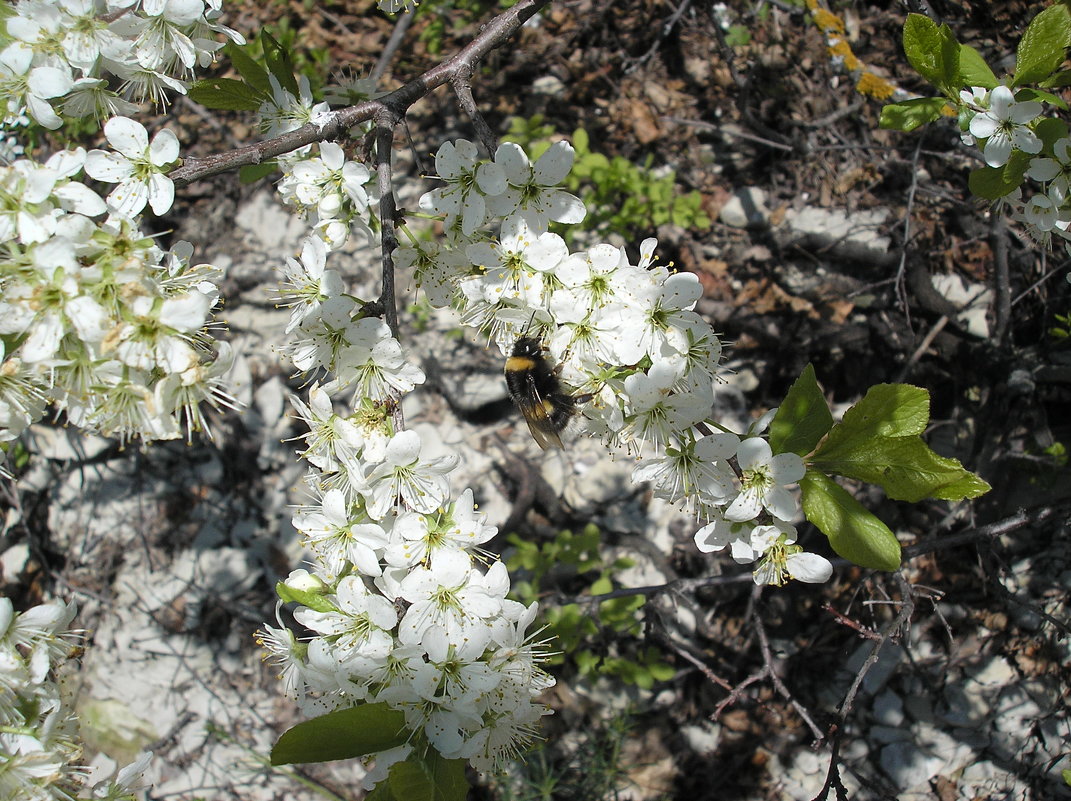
{"x":404,"y":606}
{"x":39,"y":744}
{"x":1000,"y":125}
{"x":101,"y":58}
{"x":96,"y":318}
{"x":319,"y":182}
{"x":625,"y":335}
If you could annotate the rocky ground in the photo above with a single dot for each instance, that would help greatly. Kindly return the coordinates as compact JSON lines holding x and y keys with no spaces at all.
{"x":831,"y":242}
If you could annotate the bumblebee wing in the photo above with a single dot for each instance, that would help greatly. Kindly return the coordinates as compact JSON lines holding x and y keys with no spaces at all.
{"x":539,"y":420}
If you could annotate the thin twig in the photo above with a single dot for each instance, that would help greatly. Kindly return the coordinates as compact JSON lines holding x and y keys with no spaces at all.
{"x":463,"y":89}
{"x":738,"y":134}
{"x":888,"y":633}
{"x":667,"y":27}
{"x":768,"y":659}
{"x":335,"y":124}
{"x":902,"y":269}
{"x":927,"y":340}
{"x":1061,"y":266}
{"x":397,"y":36}
{"x":385,"y":123}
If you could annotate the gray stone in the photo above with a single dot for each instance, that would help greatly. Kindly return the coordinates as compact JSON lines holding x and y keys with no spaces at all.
{"x":856,"y":236}
{"x":746,"y":208}
{"x":889,"y":709}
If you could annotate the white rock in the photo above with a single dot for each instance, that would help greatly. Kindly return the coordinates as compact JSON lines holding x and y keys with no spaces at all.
{"x":996,"y":672}
{"x":13,"y":562}
{"x":273,"y":227}
{"x":746,"y":208}
{"x":64,"y":443}
{"x":973,"y":300}
{"x":703,"y":738}
{"x":857,"y":236}
{"x":908,"y":765}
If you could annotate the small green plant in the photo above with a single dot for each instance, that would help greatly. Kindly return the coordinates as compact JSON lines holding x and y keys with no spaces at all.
{"x":622,"y":198}
{"x":1062,"y":329}
{"x":596,"y":639}
{"x":1058,"y":453}
{"x":737,"y":36}
{"x":594,"y":771}
{"x":451,"y":15}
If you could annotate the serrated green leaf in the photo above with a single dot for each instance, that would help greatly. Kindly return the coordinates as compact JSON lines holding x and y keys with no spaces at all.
{"x":251,"y":173}
{"x":428,"y":779}
{"x":252,"y":73}
{"x":933,"y":51}
{"x":887,"y":410}
{"x":803,"y":417}
{"x":911,"y":114}
{"x":279,"y":62}
{"x":973,"y":71}
{"x":1041,"y":50}
{"x":314,"y":600}
{"x":906,"y":468}
{"x":993,"y":183}
{"x":226,"y":94}
{"x":342,"y":734}
{"x":853,"y":532}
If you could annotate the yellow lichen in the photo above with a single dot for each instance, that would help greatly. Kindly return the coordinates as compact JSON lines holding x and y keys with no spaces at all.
{"x":871,"y":85}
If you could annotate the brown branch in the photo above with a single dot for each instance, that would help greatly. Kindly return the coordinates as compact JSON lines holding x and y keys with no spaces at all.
{"x":769,"y":664}
{"x":337,"y":123}
{"x":385,"y":122}
{"x":463,"y":89}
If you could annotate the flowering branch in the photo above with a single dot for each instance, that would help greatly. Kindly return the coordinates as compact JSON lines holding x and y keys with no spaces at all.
{"x":335,"y":124}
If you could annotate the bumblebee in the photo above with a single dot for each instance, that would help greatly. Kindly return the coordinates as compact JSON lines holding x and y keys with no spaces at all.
{"x":535,"y":389}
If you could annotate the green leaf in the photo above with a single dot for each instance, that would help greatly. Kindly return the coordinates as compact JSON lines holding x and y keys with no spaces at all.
{"x":910,"y":114}
{"x":225,"y":93}
{"x":973,"y":71}
{"x":853,"y":532}
{"x":1049,"y":130}
{"x":581,"y":142}
{"x":279,"y":62}
{"x":253,"y":73}
{"x":1043,"y":96}
{"x":878,"y":441}
{"x":431,"y":778}
{"x":1058,"y":79}
{"x":933,"y":51}
{"x":887,"y":410}
{"x":310,"y":598}
{"x":906,"y":468}
{"x":1041,"y":50}
{"x":251,"y":173}
{"x":342,"y":734}
{"x":993,"y":183}
{"x":803,"y":417}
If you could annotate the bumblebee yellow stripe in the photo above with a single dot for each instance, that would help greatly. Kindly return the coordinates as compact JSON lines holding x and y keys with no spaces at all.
{"x":518,"y":364}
